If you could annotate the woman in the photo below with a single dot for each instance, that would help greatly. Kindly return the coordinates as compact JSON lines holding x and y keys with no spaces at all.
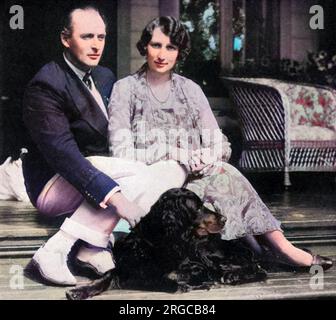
{"x":158,"y":115}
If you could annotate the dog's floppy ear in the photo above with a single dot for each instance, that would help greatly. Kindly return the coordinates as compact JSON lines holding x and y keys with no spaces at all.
{"x":160,"y":221}
{"x":171,"y":215}
{"x":179,"y":209}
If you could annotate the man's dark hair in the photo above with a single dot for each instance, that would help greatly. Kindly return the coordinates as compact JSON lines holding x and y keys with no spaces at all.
{"x":67,"y":20}
{"x":172,"y":28}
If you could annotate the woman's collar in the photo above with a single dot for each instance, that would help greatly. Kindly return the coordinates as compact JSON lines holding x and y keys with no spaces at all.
{"x":140,"y":87}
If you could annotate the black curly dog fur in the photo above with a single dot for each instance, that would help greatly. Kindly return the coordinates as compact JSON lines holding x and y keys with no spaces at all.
{"x":176,"y":247}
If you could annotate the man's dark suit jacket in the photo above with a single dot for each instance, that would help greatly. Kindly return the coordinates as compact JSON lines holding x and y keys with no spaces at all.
{"x":66,"y":124}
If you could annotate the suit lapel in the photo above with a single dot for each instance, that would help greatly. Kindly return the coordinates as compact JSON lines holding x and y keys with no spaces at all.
{"x":85,"y":102}
{"x":103,"y":88}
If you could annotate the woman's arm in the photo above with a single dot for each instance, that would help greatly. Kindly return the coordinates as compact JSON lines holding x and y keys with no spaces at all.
{"x":215,"y":145}
{"x":120,"y":137}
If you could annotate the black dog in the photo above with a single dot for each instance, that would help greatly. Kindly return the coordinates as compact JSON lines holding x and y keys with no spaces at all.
{"x":176,"y":247}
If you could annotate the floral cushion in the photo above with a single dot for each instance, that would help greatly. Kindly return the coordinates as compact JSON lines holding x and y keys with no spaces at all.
{"x":309,"y":105}
{"x":315,"y":133}
{"x":315,"y":107}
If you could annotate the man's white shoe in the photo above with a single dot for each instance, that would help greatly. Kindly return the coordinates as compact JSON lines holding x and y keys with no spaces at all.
{"x":97,"y":260}
{"x":52,"y":266}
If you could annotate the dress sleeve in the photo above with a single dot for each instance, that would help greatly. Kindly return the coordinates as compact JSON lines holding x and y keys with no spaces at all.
{"x":215,"y":145}
{"x":121,"y":140}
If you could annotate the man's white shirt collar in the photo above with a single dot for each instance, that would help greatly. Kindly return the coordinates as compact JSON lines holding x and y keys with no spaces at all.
{"x":80,"y":73}
{"x":93,"y":91}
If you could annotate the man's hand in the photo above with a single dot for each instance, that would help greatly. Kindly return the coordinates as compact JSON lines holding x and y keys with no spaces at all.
{"x":125,"y":208}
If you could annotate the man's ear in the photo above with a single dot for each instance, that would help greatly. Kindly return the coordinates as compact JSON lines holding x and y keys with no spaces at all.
{"x":65,"y":39}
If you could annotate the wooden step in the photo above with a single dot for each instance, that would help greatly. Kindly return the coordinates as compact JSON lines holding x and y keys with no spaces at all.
{"x":307,"y":220}
{"x":22,"y":230}
{"x":280,"y":285}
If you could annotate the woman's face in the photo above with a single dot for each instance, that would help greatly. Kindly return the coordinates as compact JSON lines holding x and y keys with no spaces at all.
{"x":161,"y":54}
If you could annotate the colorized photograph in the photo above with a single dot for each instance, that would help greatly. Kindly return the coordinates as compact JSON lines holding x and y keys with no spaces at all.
{"x":172,"y":150}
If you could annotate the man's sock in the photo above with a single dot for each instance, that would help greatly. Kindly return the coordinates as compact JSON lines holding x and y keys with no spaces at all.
{"x":100,"y":258}
{"x":80,"y":231}
{"x":60,"y":242}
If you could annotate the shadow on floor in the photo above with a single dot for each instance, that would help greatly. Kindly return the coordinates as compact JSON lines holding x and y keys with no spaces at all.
{"x":302,"y":182}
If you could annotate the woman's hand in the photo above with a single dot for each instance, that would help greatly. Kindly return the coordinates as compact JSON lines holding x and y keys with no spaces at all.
{"x":200,"y":169}
{"x":196,"y":164}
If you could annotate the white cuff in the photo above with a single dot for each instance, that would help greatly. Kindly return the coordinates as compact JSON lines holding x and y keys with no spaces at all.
{"x":107,"y":197}
{"x":84,"y":233}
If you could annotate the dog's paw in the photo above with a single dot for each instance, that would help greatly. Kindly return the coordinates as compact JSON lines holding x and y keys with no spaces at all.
{"x":183,"y":287}
{"x":231,"y":278}
{"x":76,"y":294}
{"x":173,"y":276}
{"x":207,"y":286}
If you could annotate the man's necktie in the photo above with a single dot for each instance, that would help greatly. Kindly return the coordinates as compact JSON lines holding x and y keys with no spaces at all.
{"x":87,"y":80}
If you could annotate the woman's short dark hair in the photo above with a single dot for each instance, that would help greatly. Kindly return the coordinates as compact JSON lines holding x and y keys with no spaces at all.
{"x":172,"y":28}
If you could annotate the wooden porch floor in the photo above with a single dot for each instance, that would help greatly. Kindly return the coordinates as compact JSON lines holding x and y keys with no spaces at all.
{"x":277,"y":286}
{"x":308,"y":218}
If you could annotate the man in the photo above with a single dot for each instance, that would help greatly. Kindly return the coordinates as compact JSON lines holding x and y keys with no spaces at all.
{"x":65,"y":113}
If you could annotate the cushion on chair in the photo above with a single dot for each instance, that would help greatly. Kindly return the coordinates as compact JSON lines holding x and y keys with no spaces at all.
{"x":312,"y":133}
{"x":310,"y":105}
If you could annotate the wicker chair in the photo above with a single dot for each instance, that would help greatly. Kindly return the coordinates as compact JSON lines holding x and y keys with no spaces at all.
{"x":286,"y":127}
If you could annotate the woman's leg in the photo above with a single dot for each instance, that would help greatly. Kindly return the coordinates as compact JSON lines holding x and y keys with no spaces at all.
{"x":254,"y":244}
{"x":280,"y":245}
{"x":232,"y":195}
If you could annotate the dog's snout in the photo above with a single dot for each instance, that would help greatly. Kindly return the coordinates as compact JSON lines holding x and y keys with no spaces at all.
{"x":216,"y":218}
{"x":210,"y":222}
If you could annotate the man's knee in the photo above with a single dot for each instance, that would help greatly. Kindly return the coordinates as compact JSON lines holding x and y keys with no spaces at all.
{"x":58,"y":198}
{"x":46,"y":208}
{"x":51,"y":207}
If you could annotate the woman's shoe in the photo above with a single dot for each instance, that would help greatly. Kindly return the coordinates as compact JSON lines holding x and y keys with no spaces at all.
{"x":324,"y":262}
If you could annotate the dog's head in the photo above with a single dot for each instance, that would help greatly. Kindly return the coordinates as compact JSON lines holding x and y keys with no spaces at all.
{"x":178,"y":214}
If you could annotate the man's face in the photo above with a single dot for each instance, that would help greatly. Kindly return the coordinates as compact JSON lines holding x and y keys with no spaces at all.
{"x":86,"y":44}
